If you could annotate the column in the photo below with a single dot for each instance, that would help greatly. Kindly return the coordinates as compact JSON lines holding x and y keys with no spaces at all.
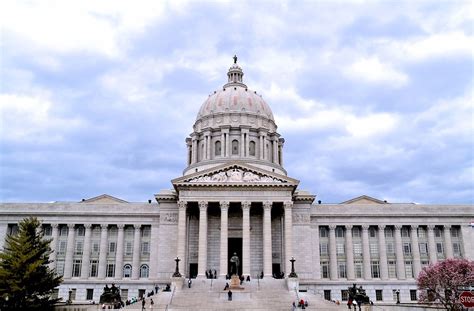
{"x":86,"y":255}
{"x":415,"y":249}
{"x":69,"y":251}
{"x":399,"y":253}
{"x":222,"y":145}
{"x":288,"y":206}
{"x":349,"y":253}
{"x":195,"y":150}
{"x":260,"y":146}
{"x":332,"y":253}
{"x":281,"y":153}
{"x":119,"y":253}
{"x":275,"y":149}
{"x":181,"y":234}
{"x":246,"y":238}
{"x":209,"y":143}
{"x":103,"y":251}
{"x":202,"y":252}
{"x":432,"y":245}
{"x":448,"y":244}
{"x":267,"y":239}
{"x":383,"y":253}
{"x":242,"y":144}
{"x":224,"y":238}
{"x":53,"y":245}
{"x":366,"y":252}
{"x":136,"y":253}
{"x":265,"y":153}
{"x":228,"y":145}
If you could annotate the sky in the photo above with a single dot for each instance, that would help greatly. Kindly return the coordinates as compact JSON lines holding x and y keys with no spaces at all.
{"x":372,"y":97}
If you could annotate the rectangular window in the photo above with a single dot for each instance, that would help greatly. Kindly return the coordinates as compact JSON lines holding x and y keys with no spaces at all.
{"x":60,"y":267}
{"x":95,"y":247}
{"x":112,"y":247}
{"x":341,"y":269}
{"x":110,"y":270}
{"x":344,"y":295}
{"x":413,"y":295}
{"x":146,"y":231}
{"x":424,"y":263}
{"x":76,"y":268}
{"x":340,"y":248}
{"x":372,"y":232}
{"x":423,"y":249}
{"x":81,"y":231}
{"x":93,"y":268}
{"x":124,"y":294}
{"x":437,"y":232}
{"x":79,"y":248}
{"x":390,"y":248}
{"x":73,"y":294}
{"x":356,"y":232}
{"x":388,"y":233}
{"x":375,"y":268}
{"x":378,"y":295}
{"x":358,"y":249}
{"x":323,"y":232}
{"x":455,"y":232}
{"x":374,"y":249}
{"x":407,"y":249}
{"x":327,"y":294}
{"x":405,"y":232}
{"x":358,"y":269}
{"x":394,"y":294}
{"x":325,"y":269}
{"x":90,"y":294}
{"x":392,"y":269}
{"x":145,"y":248}
{"x":62,"y":247}
{"x":421,"y":233}
{"x":128,"y":248}
{"x":457,"y":249}
{"x":323,"y":248}
{"x":439,"y":248}
{"x":408,"y":269}
{"x":48,"y":230}
{"x":339,"y":232}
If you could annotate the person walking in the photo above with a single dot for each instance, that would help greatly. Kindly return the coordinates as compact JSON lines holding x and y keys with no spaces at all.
{"x":143,"y":304}
{"x":151,"y":303}
{"x":189,"y":283}
{"x":229,"y":295}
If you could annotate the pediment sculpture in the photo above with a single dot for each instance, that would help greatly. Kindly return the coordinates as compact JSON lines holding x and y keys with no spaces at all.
{"x":235,"y":175}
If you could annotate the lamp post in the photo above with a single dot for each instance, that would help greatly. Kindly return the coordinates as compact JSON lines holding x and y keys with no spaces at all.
{"x":293,"y":273}
{"x":176,"y":273}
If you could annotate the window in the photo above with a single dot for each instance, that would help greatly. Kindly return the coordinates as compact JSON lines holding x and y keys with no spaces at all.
{"x":93,"y":268}
{"x":79,"y":248}
{"x":339,"y":232}
{"x":358,"y":269}
{"x":81,"y":231}
{"x":421,"y":233}
{"x":146,"y":231}
{"x":60,"y":267}
{"x":406,"y":249}
{"x":405,"y":232}
{"x":375,"y":268}
{"x":423,"y":248}
{"x":390,"y":248}
{"x":144,"y":271}
{"x":378,"y":295}
{"x":73,"y":294}
{"x":127,"y":271}
{"x":323,"y":232}
{"x":340,"y":248}
{"x":394,"y":294}
{"x":455,"y":232}
{"x":48,"y":230}
{"x":217,"y":148}
{"x":327,"y":294}
{"x":62,"y":247}
{"x":90,"y":294}
{"x":324,"y":269}
{"x":145,"y":248}
{"x":439,"y":248}
{"x":63,"y":231}
{"x":112,"y":247}
{"x":128,"y":248}
{"x":457,"y":249}
{"x":252,"y":148}
{"x":372,"y":232}
{"x":124,"y":294}
{"x":358,"y":249}
{"x":76,"y":268}
{"x":437,"y":232}
{"x":388,"y":232}
{"x":235,"y":147}
{"x":110,"y":270}
{"x":356,"y":232}
{"x":323,"y":248}
{"x":341,"y":269}
{"x":95,"y":247}
{"x":413,"y":295}
{"x":408,"y":269}
{"x":374,"y":249}
{"x":424,"y":263}
{"x":344,"y":295}
{"x":392,"y":269}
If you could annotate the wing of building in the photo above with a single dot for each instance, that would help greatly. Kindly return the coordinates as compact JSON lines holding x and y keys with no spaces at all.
{"x":235,"y":197}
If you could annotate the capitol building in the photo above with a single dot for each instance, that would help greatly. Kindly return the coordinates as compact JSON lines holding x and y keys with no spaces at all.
{"x":235,"y":196}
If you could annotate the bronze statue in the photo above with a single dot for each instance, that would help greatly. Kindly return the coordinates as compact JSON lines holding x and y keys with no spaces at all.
{"x":234,"y":268}
{"x":235,"y":59}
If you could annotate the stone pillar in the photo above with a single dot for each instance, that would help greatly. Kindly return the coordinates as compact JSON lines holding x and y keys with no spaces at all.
{"x":399,"y":253}
{"x":53,"y":245}
{"x":136,"y":253}
{"x":181,"y":234}
{"x":246,"y":238}
{"x":280,"y":152}
{"x":119,"y":253}
{"x":222,"y":145}
{"x":86,"y":254}
{"x":265,"y":153}
{"x":332,"y":253}
{"x":69,"y":251}
{"x":275,"y":149}
{"x":195,"y":151}
{"x":267,"y":239}
{"x":202,"y":252}
{"x":432,"y":245}
{"x":288,"y":206}
{"x":154,"y":251}
{"x":260,"y":146}
{"x":349,"y":253}
{"x":224,"y":238}
{"x":228,"y":145}
{"x":103,"y":251}
{"x":448,"y":244}
{"x":366,"y":252}
{"x":242,"y":144}
{"x":415,"y":249}
{"x":383,"y":254}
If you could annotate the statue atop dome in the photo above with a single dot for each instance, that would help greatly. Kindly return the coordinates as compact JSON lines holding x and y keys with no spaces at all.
{"x":235,"y":59}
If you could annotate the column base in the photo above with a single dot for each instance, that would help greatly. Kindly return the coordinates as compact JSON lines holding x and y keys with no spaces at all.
{"x":177,"y":282}
{"x":293,"y":284}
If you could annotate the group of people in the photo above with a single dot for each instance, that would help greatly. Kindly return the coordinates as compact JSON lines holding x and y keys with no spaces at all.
{"x":280,"y":275}
{"x":303,"y":304}
{"x":211,"y":274}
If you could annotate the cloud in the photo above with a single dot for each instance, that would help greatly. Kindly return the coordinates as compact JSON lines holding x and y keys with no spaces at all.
{"x":373,"y":71}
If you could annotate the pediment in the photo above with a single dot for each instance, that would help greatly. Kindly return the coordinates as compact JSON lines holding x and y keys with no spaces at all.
{"x":364,"y":199}
{"x":237,"y":175}
{"x":104,"y":199}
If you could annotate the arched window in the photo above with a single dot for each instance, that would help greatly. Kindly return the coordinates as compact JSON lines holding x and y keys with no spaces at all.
{"x":252,"y":148}
{"x":127,"y":271}
{"x":144,"y":271}
{"x":235,"y":147}
{"x":217,"y":148}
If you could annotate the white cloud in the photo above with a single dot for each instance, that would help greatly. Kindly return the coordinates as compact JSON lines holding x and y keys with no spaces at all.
{"x":372,"y":70}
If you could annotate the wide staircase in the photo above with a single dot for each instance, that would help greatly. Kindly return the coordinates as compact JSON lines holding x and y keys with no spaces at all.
{"x":256,"y":295}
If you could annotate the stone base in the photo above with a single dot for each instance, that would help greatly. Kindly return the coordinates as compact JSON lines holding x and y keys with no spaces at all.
{"x":235,"y":283}
{"x":293,"y":284}
{"x":177,"y":282}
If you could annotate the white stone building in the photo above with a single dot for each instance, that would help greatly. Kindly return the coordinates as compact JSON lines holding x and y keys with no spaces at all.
{"x":235,"y":196}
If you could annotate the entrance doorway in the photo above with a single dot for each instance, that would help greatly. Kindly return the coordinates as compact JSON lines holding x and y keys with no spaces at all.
{"x":234,"y":246}
{"x":276,"y":270}
{"x":193,"y":270}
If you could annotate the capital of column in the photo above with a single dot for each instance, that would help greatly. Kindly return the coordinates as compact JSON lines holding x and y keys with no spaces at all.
{"x":382,"y":227}
{"x":87,"y":226}
{"x":288,"y":204}
{"x":267,"y":205}
{"x":365,"y":227}
{"x":246,"y":205}
{"x":182,"y":204}
{"x":224,"y":205}
{"x":203,"y":205}
{"x":447,"y":227}
{"x":104,"y":227}
{"x":431,"y":227}
{"x":349,"y":227}
{"x":120,"y":226}
{"x":414,"y":228}
{"x":398,"y":227}
{"x":332,"y":227}
{"x":71,"y":226}
{"x":54,"y":225}
{"x":137,"y":226}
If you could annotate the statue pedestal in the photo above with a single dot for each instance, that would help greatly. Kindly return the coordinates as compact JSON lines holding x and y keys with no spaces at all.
{"x":293,"y":284}
{"x":235,"y":282}
{"x":177,"y":282}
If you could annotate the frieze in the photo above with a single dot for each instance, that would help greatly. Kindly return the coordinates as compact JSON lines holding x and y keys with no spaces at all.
{"x":169,"y":218}
{"x":301,"y":218}
{"x":236,"y":175}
